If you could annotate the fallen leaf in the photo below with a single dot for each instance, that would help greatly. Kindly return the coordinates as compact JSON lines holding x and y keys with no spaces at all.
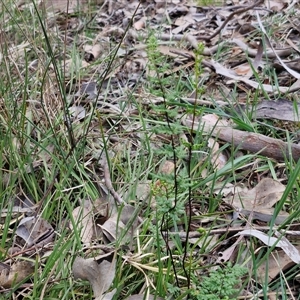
{"x":218,"y":158}
{"x":35,"y":231}
{"x":276,"y":5}
{"x":278,"y":261}
{"x":233,"y":75}
{"x":283,"y":243}
{"x":288,"y":69}
{"x":100,"y":275}
{"x":77,"y":113}
{"x":281,"y":109}
{"x":265,"y":194}
{"x":114,"y":227}
{"x":16,"y":273}
{"x":88,"y":90}
{"x":84,"y":221}
{"x":140,"y":24}
{"x":243,"y":70}
{"x":92,"y":52}
{"x":259,"y":200}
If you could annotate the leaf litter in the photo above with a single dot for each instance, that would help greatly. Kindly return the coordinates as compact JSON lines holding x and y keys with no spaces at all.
{"x":247,"y":53}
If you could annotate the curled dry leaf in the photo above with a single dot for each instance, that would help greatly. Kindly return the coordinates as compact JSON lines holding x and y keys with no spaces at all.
{"x":281,"y":242}
{"x":35,"y":231}
{"x":115,"y":225}
{"x":112,"y":228}
{"x":92,"y":52}
{"x":244,"y":70}
{"x":12,"y":275}
{"x":100,"y":275}
{"x":276,"y":5}
{"x":233,"y":75}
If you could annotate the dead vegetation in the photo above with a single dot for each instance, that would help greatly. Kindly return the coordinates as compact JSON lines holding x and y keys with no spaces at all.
{"x":149,"y":149}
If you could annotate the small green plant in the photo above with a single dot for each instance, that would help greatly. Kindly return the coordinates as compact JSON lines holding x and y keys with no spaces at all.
{"x":221,"y":284}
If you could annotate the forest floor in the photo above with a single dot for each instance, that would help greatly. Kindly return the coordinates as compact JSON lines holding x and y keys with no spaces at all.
{"x":149,"y":149}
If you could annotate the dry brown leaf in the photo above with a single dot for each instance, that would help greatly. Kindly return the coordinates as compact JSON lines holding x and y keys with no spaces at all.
{"x":246,"y":70}
{"x":276,"y":5}
{"x":232,"y":75}
{"x":218,"y":158}
{"x":277,"y":262}
{"x":288,"y":69}
{"x":67,"y":6}
{"x":183,"y":23}
{"x":92,"y":52}
{"x":115,"y":225}
{"x":281,"y":242}
{"x":260,"y":200}
{"x":112,"y":228}
{"x":140,"y":24}
{"x":243,"y":70}
{"x":84,"y":221}
{"x":99,"y":275}
{"x":281,"y":109}
{"x":264,"y":195}
{"x":16,"y":273}
{"x":35,"y":231}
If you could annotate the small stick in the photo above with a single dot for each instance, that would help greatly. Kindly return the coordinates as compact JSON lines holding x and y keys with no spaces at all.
{"x":108,"y":183}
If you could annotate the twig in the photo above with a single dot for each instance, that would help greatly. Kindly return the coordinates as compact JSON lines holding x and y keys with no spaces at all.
{"x":253,"y":142}
{"x":108,"y":183}
{"x":110,"y":187}
{"x":259,"y":143}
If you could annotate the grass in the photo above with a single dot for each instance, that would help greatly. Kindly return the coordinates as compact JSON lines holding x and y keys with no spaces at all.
{"x":158,"y":165}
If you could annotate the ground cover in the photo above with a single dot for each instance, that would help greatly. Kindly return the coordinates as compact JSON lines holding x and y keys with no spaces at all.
{"x":149,"y":150}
